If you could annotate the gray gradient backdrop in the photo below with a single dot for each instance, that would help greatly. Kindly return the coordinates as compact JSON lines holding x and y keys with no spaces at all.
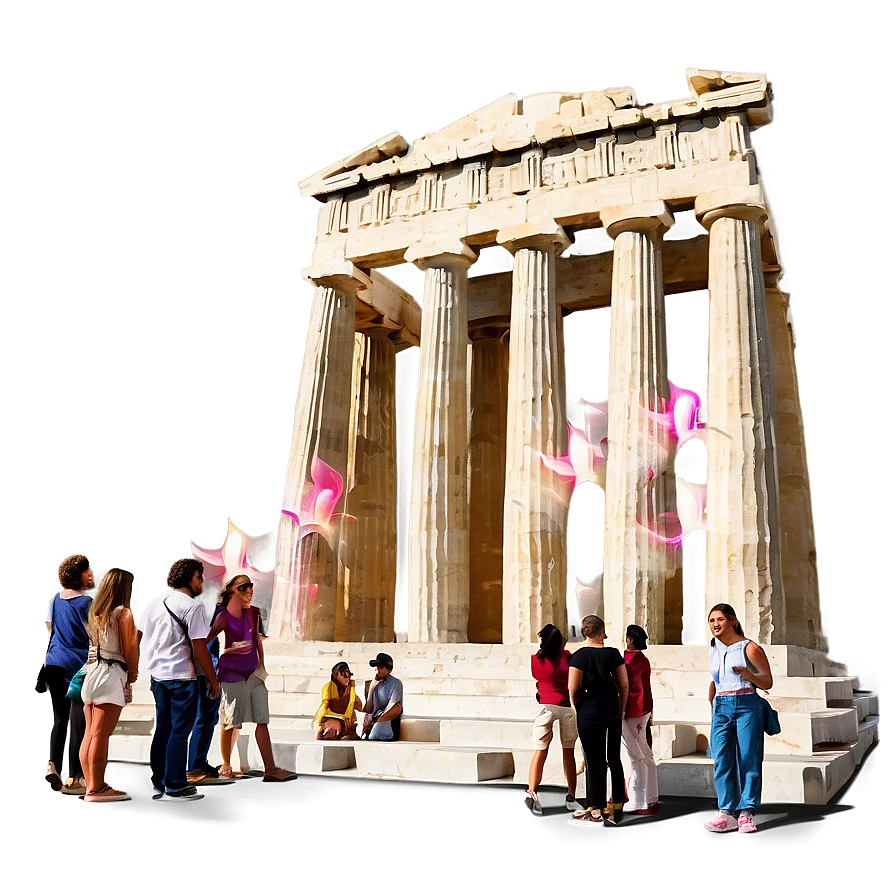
{"x":154,"y":318}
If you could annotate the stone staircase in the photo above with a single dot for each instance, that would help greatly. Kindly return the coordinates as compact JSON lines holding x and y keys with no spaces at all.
{"x":469,"y":710}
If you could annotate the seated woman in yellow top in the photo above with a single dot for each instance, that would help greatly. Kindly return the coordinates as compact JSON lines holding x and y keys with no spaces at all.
{"x":338,"y":702}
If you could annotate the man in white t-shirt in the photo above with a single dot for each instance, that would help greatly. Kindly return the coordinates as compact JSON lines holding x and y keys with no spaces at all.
{"x":172,"y":632}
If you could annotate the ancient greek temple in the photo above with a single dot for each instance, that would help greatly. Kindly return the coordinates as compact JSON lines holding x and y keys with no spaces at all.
{"x":488,"y":510}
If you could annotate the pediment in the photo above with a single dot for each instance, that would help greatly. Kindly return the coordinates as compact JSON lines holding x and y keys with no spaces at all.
{"x":511,"y":124}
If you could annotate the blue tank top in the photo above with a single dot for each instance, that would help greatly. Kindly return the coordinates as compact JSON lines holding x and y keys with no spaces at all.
{"x":722,"y":658}
{"x":69,"y":643}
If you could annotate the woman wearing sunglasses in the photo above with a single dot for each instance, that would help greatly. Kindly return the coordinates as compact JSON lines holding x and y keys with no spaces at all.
{"x":244,"y":696}
{"x":336,"y":717}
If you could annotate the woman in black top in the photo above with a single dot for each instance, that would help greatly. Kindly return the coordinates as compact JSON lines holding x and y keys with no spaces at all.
{"x":598,"y":688}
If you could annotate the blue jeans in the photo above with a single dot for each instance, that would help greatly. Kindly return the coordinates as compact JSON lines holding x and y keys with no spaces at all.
{"x":175,"y":713}
{"x":737,"y":743}
{"x":203,"y":730}
{"x":385,"y":730}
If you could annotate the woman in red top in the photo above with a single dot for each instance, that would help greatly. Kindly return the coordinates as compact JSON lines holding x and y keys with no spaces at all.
{"x":643,"y":788}
{"x":550,"y":669}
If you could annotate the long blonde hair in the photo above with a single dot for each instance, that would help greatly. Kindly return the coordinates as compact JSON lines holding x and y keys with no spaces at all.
{"x":114,"y":591}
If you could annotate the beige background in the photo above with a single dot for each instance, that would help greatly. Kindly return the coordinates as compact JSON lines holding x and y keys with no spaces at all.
{"x":153,"y":314}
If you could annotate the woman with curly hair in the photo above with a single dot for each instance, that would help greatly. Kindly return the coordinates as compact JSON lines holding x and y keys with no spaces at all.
{"x":66,"y":653}
{"x":111,"y":670}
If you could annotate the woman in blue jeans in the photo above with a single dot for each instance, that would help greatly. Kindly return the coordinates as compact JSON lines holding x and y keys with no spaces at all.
{"x":738,"y":666}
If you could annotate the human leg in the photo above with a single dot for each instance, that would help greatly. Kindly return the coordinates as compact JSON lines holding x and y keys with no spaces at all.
{"x":77,"y":725}
{"x":102,"y":719}
{"x":723,"y":745}
{"x":593,"y":737}
{"x":228,"y":740}
{"x":617,"y":774}
{"x":751,"y":749}
{"x":84,"y":753}
{"x":184,"y":696}
{"x":203,"y":730}
{"x":570,"y":773}
{"x":57,"y":685}
{"x":159,"y":746}
{"x":644,"y":785}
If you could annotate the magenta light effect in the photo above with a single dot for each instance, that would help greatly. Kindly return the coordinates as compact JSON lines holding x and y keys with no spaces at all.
{"x":584,"y":463}
{"x":314,"y":516}
{"x":233,"y":555}
{"x":674,"y":421}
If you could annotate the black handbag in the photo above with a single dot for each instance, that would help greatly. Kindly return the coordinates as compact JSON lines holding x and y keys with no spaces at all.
{"x":41,"y":686}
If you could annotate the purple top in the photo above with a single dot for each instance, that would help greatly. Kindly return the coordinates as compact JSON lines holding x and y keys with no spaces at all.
{"x":239,"y":666}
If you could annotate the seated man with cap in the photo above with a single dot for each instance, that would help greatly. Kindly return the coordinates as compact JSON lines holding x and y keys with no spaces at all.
{"x":383,"y":708}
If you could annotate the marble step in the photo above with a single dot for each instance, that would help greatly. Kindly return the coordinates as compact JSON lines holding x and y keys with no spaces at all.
{"x":403,"y":759}
{"x":814,"y":778}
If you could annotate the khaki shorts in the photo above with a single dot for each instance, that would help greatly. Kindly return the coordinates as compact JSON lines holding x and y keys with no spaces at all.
{"x":244,"y":701}
{"x":543,"y":726}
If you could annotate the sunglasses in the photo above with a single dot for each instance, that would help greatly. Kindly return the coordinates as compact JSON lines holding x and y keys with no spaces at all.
{"x":347,"y":672}
{"x":244,"y":587}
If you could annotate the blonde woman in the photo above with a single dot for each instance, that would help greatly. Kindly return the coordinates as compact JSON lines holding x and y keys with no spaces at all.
{"x":112,"y":669}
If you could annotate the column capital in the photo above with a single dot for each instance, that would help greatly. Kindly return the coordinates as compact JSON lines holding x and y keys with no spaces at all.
{"x":747,"y":204}
{"x":444,"y":253}
{"x":342,"y":276}
{"x":542,"y":234}
{"x":641,"y":216}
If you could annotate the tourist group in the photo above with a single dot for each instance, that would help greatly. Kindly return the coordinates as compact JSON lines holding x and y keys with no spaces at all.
{"x":92,"y":662}
{"x":605,"y":699}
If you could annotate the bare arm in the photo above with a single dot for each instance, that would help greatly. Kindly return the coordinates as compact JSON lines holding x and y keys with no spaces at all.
{"x":762,"y":677}
{"x":620,"y":673}
{"x":575,"y":682}
{"x":392,"y":712}
{"x":130,"y":647}
{"x":712,"y":692}
{"x":49,"y":626}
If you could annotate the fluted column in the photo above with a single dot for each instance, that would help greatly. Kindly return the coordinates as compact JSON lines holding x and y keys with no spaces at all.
{"x":488,"y":455}
{"x":365,"y":610}
{"x":534,"y":506}
{"x":640,"y":481}
{"x":742,"y":528}
{"x":305,"y":584}
{"x":438,"y":534}
{"x":799,"y":571}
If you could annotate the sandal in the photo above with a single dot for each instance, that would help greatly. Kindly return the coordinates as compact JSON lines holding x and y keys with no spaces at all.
{"x":228,"y":774}
{"x":52,"y":777}
{"x":106,"y":794}
{"x":532,"y":803}
{"x":279,"y":774}
{"x":586,"y":817}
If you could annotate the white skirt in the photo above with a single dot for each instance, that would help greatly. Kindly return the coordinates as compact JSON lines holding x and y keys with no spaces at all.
{"x":104,"y":683}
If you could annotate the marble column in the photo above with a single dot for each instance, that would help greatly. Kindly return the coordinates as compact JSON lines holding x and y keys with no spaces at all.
{"x":743,"y":559}
{"x":365,"y":610}
{"x":306,"y":580}
{"x":534,"y":505}
{"x":488,"y":455}
{"x":640,"y":492}
{"x":438,"y":534}
{"x":799,"y":571}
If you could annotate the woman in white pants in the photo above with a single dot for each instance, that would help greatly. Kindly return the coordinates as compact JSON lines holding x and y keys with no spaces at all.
{"x":643,"y":787}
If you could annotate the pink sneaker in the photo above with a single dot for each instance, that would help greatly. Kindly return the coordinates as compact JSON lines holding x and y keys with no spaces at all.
{"x":721,"y":823}
{"x":745,"y":823}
